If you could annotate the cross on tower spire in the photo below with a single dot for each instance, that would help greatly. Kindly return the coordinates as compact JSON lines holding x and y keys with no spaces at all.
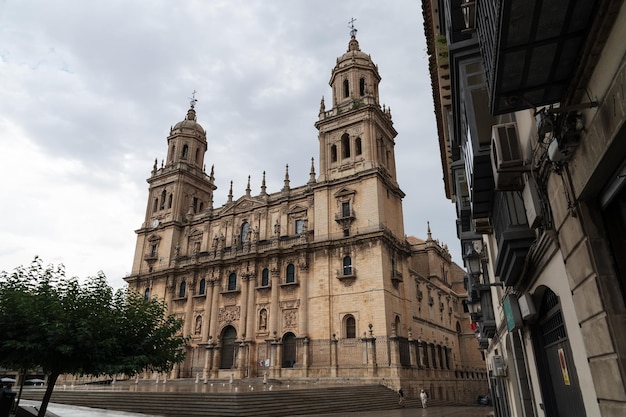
{"x":192,"y":99}
{"x":353,"y":30}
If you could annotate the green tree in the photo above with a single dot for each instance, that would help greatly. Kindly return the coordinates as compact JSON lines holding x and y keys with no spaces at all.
{"x":68,"y":327}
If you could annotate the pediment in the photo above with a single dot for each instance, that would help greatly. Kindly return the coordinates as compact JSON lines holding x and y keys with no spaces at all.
{"x":243,"y":204}
{"x":153,"y":238}
{"x":195,"y":233}
{"x":297,"y":209}
{"x":343,"y":192}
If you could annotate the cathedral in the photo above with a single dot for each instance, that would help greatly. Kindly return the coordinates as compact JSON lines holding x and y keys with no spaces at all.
{"x":316,"y":281}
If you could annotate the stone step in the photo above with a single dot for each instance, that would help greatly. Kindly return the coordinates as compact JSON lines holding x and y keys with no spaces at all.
{"x":253,"y":404}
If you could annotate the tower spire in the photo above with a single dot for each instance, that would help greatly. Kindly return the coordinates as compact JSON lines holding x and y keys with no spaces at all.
{"x":286,"y":186}
{"x":230,"y":192}
{"x":353,"y":30}
{"x":263,"y":187}
{"x":248,"y":187}
{"x":312,"y":174}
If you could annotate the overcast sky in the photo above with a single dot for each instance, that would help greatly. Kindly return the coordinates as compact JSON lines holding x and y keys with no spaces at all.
{"x":89,"y":90}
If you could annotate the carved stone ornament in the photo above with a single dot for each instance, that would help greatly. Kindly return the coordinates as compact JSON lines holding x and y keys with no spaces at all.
{"x":229,"y":315}
{"x":290,"y":319}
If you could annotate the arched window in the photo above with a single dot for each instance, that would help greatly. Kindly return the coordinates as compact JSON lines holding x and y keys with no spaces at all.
{"x":362,"y":86}
{"x":345,"y":146}
{"x":265,"y":277}
{"x":289,"y":350}
{"x":229,"y":348}
{"x":244,"y":231}
{"x":347,"y":265}
{"x":358,"y":147}
{"x":155,"y":207}
{"x":163,"y":194}
{"x":346,"y":88}
{"x":183,"y":155}
{"x":197,"y":155}
{"x":169,"y":203}
{"x":350,"y":327}
{"x":182,"y":289}
{"x":202,"y":289}
{"x":291,"y":273}
{"x":146,"y":294}
{"x":333,"y":153}
{"x":397,"y":321}
{"x":232,"y":282}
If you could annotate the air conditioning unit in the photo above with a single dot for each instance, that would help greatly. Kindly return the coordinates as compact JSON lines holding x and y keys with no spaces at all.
{"x":507,"y":161}
{"x":498,"y":367}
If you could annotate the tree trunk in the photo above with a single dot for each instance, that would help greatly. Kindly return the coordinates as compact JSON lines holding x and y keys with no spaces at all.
{"x":19,"y":395}
{"x":52,"y":380}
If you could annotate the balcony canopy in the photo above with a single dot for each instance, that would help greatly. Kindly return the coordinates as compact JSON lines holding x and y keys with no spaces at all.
{"x":531,"y":49}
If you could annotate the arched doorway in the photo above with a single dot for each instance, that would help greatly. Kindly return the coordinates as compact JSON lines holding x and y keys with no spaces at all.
{"x":289,"y":350}
{"x":557,"y":372}
{"x":228,"y":354}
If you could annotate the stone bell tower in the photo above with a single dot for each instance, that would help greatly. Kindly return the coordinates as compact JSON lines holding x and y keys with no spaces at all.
{"x":356,"y":138}
{"x":180,"y":191}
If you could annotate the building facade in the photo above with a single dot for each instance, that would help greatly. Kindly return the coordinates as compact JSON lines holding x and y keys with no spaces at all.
{"x":313,"y":281}
{"x":530,"y":106}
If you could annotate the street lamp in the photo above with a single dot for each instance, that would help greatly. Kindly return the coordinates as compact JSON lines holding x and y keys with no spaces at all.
{"x":472,"y":259}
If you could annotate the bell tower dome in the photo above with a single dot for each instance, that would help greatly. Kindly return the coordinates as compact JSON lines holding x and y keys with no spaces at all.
{"x":356,"y":134}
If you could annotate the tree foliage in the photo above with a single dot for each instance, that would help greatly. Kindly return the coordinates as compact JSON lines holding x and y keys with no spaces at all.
{"x":66,"y":326}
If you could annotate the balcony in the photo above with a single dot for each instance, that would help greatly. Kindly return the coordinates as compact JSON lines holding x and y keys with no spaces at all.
{"x":396,"y":277}
{"x":513,"y":235}
{"x":225,"y":289}
{"x":531,"y":49}
{"x":346,"y":274}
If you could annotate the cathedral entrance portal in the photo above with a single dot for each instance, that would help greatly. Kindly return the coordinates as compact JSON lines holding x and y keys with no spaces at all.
{"x":289,"y":350}
{"x":228,"y":353}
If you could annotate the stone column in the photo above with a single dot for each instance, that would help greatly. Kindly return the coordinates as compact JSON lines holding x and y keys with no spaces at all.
{"x":217,"y":358}
{"x":370,"y":342}
{"x":333,"y":357}
{"x":274,"y":307}
{"x":214,"y":310}
{"x":244,"y":305}
{"x":305,"y":356}
{"x":304,"y":304}
{"x":250,"y":330}
{"x":241,"y":361}
{"x":275,"y":358}
{"x":420,"y":353}
{"x":208,"y":361}
{"x":412,"y":350}
{"x":207,"y":310}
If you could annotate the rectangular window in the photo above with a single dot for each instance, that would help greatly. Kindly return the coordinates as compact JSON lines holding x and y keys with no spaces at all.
{"x":299,"y":224}
{"x":345,"y":209}
{"x":153,"y":251}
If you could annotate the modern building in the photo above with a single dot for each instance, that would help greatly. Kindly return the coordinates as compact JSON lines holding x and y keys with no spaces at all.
{"x":530,"y":104}
{"x":316,"y":281}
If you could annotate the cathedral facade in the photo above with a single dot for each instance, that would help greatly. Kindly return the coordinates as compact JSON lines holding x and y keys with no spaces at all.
{"x":314,"y":281}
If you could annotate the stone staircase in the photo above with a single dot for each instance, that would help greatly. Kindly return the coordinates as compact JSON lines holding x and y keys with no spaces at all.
{"x":277,"y":403}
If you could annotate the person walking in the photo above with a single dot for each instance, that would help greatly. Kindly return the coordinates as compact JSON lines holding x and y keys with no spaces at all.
{"x":401,"y":396}
{"x":424,"y":398}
